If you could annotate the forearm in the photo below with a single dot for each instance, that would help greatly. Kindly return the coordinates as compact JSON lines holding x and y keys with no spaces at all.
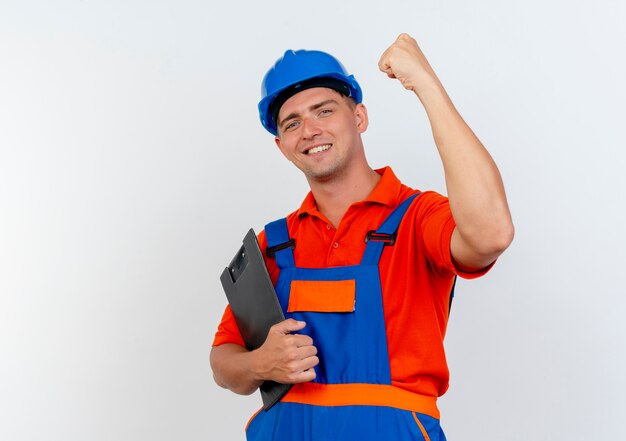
{"x":475,"y":189}
{"x":474,"y":185}
{"x":233,"y":369}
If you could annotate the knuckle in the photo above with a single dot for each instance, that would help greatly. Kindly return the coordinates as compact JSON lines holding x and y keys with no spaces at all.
{"x":290,"y":378}
{"x":278,"y":326}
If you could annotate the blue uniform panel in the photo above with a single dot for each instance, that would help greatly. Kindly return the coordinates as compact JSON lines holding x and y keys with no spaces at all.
{"x":352,"y":348}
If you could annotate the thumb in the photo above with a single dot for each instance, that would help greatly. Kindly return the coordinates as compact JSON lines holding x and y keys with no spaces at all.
{"x":289,"y":325}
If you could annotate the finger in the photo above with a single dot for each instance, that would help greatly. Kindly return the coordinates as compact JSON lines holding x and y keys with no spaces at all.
{"x":383,"y":63}
{"x":310,"y":362}
{"x":301,"y":340}
{"x":288,"y":326}
{"x":386,"y":68}
{"x":307,"y":351}
{"x":404,"y":36}
{"x":304,"y":376}
{"x":302,"y":369}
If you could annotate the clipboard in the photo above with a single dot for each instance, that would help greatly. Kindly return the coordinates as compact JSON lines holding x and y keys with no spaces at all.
{"x":254,"y":303}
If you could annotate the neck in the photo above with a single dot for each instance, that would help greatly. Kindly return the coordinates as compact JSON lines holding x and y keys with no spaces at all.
{"x":334,"y":196}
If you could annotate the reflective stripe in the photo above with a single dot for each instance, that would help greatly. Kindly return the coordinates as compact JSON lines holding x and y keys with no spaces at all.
{"x":419,"y":424}
{"x":361,"y":394}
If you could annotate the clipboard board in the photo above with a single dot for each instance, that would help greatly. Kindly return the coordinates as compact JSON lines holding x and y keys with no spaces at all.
{"x":254,"y":303}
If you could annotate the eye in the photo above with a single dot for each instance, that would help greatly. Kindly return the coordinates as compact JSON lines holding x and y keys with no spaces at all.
{"x":291,"y":125}
{"x":325,"y":112}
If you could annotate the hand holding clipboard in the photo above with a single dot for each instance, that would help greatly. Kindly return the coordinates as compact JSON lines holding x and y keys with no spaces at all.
{"x":252,"y":298}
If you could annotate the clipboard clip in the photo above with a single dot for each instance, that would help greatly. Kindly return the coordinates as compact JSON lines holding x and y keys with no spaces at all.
{"x":271,"y":251}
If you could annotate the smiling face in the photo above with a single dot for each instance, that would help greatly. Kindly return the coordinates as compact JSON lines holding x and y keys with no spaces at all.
{"x":319,"y":130}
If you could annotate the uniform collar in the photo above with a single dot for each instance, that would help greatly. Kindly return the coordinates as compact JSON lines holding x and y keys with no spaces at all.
{"x":386,"y":193}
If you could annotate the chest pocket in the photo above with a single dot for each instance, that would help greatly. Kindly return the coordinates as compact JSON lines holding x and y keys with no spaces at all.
{"x":322,"y":296}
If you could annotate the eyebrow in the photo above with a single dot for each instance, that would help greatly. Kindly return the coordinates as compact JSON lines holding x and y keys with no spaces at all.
{"x":293,"y":115}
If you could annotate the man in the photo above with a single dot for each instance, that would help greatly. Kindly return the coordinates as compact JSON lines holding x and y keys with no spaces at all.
{"x":368,"y":284}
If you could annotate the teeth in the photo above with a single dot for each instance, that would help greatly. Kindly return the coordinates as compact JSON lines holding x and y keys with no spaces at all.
{"x":318,"y":149}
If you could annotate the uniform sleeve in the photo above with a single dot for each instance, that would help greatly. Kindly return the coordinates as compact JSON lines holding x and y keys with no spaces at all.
{"x":437,"y":226}
{"x":227,"y":330}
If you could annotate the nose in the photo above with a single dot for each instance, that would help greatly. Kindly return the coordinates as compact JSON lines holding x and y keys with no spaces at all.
{"x":310,"y":128}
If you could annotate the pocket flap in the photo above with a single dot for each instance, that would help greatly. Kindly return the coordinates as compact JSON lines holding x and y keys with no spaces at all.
{"x":322,"y":295}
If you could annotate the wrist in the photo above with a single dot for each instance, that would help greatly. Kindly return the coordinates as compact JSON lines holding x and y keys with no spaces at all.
{"x":256,"y":368}
{"x":429,"y":87}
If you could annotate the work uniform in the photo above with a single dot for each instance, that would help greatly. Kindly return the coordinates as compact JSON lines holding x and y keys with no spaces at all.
{"x":376,"y":312}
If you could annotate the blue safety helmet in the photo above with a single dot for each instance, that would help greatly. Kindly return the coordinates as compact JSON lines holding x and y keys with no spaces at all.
{"x":299,"y":70}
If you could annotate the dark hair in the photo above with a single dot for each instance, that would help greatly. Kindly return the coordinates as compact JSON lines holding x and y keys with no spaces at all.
{"x":331,"y":83}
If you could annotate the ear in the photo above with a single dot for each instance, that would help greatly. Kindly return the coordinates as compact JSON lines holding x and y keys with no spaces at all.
{"x":360,"y":114}
{"x":279,"y":145}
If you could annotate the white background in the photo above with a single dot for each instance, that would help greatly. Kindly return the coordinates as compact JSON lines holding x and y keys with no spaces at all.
{"x":132,"y":163}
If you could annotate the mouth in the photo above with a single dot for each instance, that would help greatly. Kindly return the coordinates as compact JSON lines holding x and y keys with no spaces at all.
{"x":318,"y":149}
